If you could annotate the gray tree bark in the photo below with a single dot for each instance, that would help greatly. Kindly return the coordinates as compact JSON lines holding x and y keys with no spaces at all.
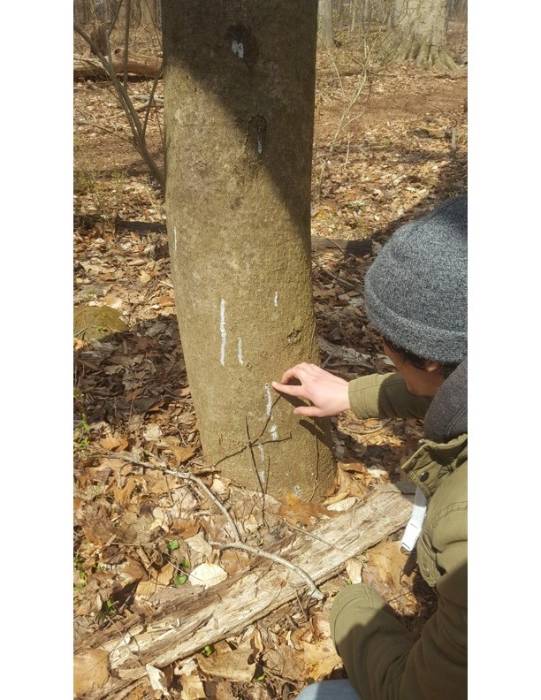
{"x":325,"y":23}
{"x":420,"y":28}
{"x":239,"y":102}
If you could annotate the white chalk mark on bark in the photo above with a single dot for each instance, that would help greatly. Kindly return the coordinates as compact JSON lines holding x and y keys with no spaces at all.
{"x":175,"y":239}
{"x":269,"y":399}
{"x":273,"y":430}
{"x":238,"y":48}
{"x":239,"y":351}
{"x":261,"y":453}
{"x":275,"y":298}
{"x":223,"y":333}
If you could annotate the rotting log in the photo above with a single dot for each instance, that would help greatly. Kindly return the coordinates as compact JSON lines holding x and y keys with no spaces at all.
{"x":90,"y":68}
{"x":236,"y":603}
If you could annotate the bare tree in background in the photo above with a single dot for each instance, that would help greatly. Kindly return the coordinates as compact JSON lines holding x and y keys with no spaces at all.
{"x":239,"y":115}
{"x":419,"y":28}
{"x":325,"y":23}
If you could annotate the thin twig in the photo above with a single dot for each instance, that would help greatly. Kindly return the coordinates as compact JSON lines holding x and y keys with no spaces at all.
{"x":151,"y":100}
{"x":181,"y":475}
{"x":314,"y":590}
{"x":344,"y":283}
{"x":258,"y":477}
{"x":315,"y":537}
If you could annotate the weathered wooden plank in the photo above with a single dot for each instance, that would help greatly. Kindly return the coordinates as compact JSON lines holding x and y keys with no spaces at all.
{"x":234,"y":604}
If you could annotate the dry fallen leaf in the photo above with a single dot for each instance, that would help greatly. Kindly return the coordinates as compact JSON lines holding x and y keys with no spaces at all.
{"x":321,"y":625}
{"x":185,"y":528}
{"x":234,"y":561}
{"x":354,"y":569}
{"x":199,"y":544}
{"x":158,"y":483}
{"x":146,"y":589}
{"x":284,"y":661}
{"x":296,"y":511}
{"x":152,"y":432}
{"x":130,"y":571}
{"x":157,"y":680}
{"x":90,"y":671}
{"x":183,"y":453}
{"x":232,"y":665}
{"x":385,"y":562}
{"x":207,"y":575}
{"x":320,"y":659}
{"x":224,"y":691}
{"x":347,"y":485}
{"x":166,"y":574}
{"x":114,"y":442}
{"x":192,"y":687}
{"x":123,"y":495}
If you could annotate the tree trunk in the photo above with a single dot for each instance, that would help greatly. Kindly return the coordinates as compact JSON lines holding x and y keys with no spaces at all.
{"x":325,"y":23}
{"x":239,"y":103}
{"x":420,"y":29}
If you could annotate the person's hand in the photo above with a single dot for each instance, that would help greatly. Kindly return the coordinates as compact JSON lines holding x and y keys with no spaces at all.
{"x":327,"y":393}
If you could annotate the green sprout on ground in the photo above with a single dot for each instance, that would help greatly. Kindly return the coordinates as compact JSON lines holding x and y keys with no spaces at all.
{"x":82,"y":434}
{"x":108,"y":610}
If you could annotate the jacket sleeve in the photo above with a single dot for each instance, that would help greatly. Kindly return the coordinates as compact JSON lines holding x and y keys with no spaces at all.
{"x":382,"y":660}
{"x":385,"y":396}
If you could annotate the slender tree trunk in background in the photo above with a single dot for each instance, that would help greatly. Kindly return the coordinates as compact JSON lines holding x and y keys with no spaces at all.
{"x":100,"y":32}
{"x":158,"y":13}
{"x":419,"y":26}
{"x":325,"y":23}
{"x":354,"y":9}
{"x":81,"y":11}
{"x":239,"y":109}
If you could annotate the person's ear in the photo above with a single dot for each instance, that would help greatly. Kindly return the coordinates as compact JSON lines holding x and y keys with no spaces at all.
{"x":432,"y":366}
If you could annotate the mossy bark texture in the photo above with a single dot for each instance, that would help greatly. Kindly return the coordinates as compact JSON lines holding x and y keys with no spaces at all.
{"x":419,"y":33}
{"x":239,"y":103}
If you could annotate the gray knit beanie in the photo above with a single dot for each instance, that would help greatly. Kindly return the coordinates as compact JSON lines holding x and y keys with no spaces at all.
{"x":416,"y":289}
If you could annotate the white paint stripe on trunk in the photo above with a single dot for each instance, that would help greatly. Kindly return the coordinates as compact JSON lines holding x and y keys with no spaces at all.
{"x":223,"y":333}
{"x":240,"y":356}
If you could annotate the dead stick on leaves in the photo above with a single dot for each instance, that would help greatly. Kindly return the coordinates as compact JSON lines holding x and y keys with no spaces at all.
{"x":314,"y":590}
{"x":182,"y":475}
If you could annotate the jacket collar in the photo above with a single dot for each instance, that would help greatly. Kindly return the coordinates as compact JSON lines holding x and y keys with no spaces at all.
{"x":447,"y":416}
{"x":433,"y":460}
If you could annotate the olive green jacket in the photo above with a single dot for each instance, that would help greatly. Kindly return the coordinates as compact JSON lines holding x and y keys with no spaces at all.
{"x":383,"y":662}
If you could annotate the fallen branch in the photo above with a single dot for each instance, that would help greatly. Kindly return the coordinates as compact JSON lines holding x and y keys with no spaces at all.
{"x":214,"y":614}
{"x":90,"y":68}
{"x":314,"y":590}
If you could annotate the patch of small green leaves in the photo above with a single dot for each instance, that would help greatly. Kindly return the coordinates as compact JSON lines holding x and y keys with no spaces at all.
{"x":172,"y":545}
{"x":180,"y":579}
{"x":108,"y":610}
{"x":82,"y":434}
{"x":208,"y":650}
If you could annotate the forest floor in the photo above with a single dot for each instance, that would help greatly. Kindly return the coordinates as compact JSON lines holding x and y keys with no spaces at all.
{"x":389,"y":154}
